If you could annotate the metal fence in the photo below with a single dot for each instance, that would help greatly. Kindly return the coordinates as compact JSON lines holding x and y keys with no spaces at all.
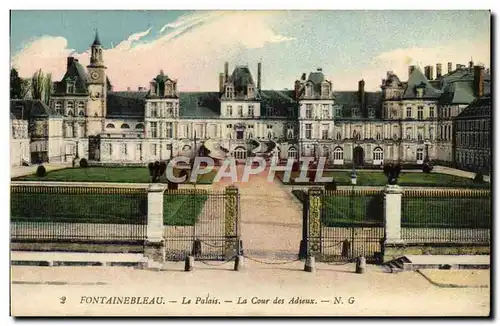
{"x":446,"y":215}
{"x":202,"y":223}
{"x":78,"y":213}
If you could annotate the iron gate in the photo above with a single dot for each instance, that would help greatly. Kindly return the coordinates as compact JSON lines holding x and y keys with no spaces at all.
{"x":344,"y":224}
{"x":202,"y":223}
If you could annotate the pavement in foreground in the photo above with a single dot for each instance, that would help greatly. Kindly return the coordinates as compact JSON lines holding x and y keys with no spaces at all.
{"x":214,"y":289}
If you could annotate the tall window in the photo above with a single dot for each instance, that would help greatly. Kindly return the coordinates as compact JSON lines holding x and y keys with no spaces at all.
{"x":420,"y":132}
{"x":169,"y":130}
{"x":70,"y":107}
{"x":308,"y":131}
{"x":408,"y":133}
{"x":309,"y":90}
{"x":153,"y":149}
{"x":154,"y":130}
{"x":170,"y":108}
{"x":229,"y":91}
{"x":154,"y":110}
{"x":229,"y":110}
{"x":250,"y":110}
{"x":70,"y":87}
{"x":81,"y":108}
{"x":292,"y":152}
{"x":408,"y":112}
{"x":378,"y":136}
{"x":339,"y":136}
{"x":308,"y":111}
{"x":58,"y":107}
{"x":420,"y":113}
{"x":324,"y":132}
{"x":123,"y":149}
{"x":240,"y":111}
{"x":338,"y":154}
{"x":431,"y":133}
{"x":289,"y":133}
{"x":431,"y":112}
{"x":378,"y":154}
{"x":109,"y":148}
{"x":338,"y":112}
{"x":325,"y":90}
{"x":326,"y":111}
{"x":420,"y":154}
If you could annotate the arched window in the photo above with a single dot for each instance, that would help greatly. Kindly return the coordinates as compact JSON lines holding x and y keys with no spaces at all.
{"x":240,"y":153}
{"x":378,"y":156}
{"x":292,"y":152}
{"x":290,"y":133}
{"x":81,"y":114}
{"x":110,"y":125}
{"x":139,"y":126}
{"x":125,"y":126}
{"x":338,"y":155}
{"x":420,"y":155}
{"x":70,"y":113}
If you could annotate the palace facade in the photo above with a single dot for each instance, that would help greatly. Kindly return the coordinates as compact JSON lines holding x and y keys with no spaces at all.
{"x":405,"y":121}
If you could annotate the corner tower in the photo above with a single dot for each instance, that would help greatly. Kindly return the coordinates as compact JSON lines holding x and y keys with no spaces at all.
{"x":96,"y":108}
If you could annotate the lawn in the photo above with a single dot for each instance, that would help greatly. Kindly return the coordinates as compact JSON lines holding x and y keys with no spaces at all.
{"x":429,"y":212}
{"x":106,"y":174}
{"x":182,"y":209}
{"x":364,"y":178}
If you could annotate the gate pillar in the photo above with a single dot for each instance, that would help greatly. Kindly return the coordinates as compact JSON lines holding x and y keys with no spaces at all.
{"x":154,"y":245}
{"x":231,"y":221}
{"x":315,"y":199}
{"x":392,"y":222}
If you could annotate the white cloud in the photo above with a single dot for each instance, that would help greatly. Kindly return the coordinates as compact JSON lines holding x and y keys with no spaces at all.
{"x":193,"y":51}
{"x":398,"y":60}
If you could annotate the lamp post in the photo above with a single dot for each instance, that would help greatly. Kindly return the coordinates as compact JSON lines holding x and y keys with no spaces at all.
{"x":351,"y":202}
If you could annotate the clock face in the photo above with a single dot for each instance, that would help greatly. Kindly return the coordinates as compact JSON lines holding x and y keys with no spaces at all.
{"x":94,"y":75}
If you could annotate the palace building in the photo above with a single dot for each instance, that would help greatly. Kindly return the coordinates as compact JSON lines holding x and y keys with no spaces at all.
{"x":406,"y":121}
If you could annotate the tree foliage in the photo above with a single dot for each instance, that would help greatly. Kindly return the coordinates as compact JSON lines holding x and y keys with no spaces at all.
{"x":41,"y":86}
{"x":19,"y":87}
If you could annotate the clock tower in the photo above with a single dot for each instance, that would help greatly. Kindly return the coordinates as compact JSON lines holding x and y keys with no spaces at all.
{"x":96,"y":83}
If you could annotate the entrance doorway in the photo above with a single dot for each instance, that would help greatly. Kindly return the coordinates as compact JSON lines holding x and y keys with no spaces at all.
{"x":358,"y":156}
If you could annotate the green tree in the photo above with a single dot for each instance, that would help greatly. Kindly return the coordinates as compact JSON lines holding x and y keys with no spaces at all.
{"x":37,"y":85}
{"x":47,"y":90}
{"x":15,"y":84}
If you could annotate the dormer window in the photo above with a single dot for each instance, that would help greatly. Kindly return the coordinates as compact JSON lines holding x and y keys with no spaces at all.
{"x":420,"y":91}
{"x":70,"y":87}
{"x":325,"y":89}
{"x":308,"y":90}
{"x":371,"y":112}
{"x":355,"y":112}
{"x":251,"y":91}
{"x":229,"y":91}
{"x":168,"y":89}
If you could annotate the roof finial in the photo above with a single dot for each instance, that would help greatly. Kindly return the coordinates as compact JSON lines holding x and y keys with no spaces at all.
{"x":96,"y":40}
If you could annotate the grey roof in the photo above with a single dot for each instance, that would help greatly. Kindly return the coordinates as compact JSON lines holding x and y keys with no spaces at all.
{"x":75,"y":72}
{"x":458,"y":92}
{"x":126,"y":104}
{"x":199,"y":105}
{"x":96,"y":40}
{"x":416,"y":80}
{"x":31,"y":109}
{"x":316,"y":77}
{"x":478,"y":108}
{"x":351,"y":99}
{"x":241,"y":78}
{"x":278,"y":104}
{"x":392,"y":80}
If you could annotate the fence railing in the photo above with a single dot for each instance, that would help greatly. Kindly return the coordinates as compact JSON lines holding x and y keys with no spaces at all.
{"x":445,"y":215}
{"x":78,"y":213}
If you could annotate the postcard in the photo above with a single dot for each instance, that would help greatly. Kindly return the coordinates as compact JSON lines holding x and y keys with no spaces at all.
{"x":250,"y":163}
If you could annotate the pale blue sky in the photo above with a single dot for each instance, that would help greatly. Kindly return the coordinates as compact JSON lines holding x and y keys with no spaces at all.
{"x":334,"y":40}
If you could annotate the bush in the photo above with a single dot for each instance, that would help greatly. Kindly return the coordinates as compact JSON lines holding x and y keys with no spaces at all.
{"x":427,"y":168}
{"x":41,"y":172}
{"x":151,"y":167}
{"x":84,"y":163}
{"x":331,"y":186}
{"x":479,"y":178}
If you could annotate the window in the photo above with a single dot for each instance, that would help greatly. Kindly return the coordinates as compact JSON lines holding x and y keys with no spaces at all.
{"x":308,"y":111}
{"x":269,"y":126}
{"x":378,"y":155}
{"x":154,"y":131}
{"x":326,"y":111}
{"x":229,"y":110}
{"x":81,"y":106}
{"x":110,"y":149}
{"x":431,"y":112}
{"x":408,"y":133}
{"x":308,"y":131}
{"x":168,"y":89}
{"x":325,"y":90}
{"x":339,"y":136}
{"x":58,"y":107}
{"x":431,"y":133}
{"x":240,"y":153}
{"x":309,"y":90}
{"x":139,"y":126}
{"x":110,"y":126}
{"x":408,"y":112}
{"x":338,"y":112}
{"x":250,"y":110}
{"x":169,"y":130}
{"x":70,"y":87}
{"x":240,"y":111}
{"x":338,"y":154}
{"x":289,"y":133}
{"x":420,"y":154}
{"x":292,"y":152}
{"x":229,"y":91}
{"x":250,"y":91}
{"x":420,"y":113}
{"x":81,"y":114}
{"x":356,"y":135}
{"x":154,"y":110}
{"x":123,"y":149}
{"x":170,"y":108}
{"x":324,"y":132}
{"x":378,"y":136}
{"x":153,"y":149}
{"x":420,"y":132}
{"x":125,"y":126}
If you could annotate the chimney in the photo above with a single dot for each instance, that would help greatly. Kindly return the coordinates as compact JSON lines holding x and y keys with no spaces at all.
{"x":478,"y":81}
{"x":471,"y":64}
{"x":297,"y":87}
{"x":429,"y":72}
{"x":361,"y":93}
{"x":439,"y":68}
{"x":450,"y":67}
{"x":70,"y":62}
{"x":226,"y":71}
{"x":259,"y":75}
{"x":303,"y":77}
{"x":128,"y":89}
{"x":410,"y":70}
{"x":458,"y":66}
{"x":221,"y":82}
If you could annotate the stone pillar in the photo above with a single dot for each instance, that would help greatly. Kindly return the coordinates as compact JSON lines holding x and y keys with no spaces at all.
{"x":154,"y":247}
{"x":315,"y":196}
{"x":392,"y":222}
{"x":231,"y":222}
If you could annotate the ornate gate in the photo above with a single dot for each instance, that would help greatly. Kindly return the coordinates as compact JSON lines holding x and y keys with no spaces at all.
{"x":344,"y":224}
{"x":204,"y":223}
